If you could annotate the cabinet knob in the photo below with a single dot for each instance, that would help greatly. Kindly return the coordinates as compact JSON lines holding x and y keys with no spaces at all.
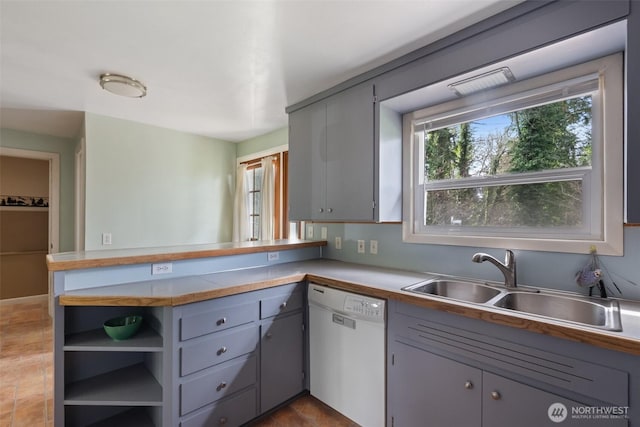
{"x":221,"y":321}
{"x":329,"y":210}
{"x":283,"y":305}
{"x":320,"y":210}
{"x":222,"y":350}
{"x":222,"y":385}
{"x":495,"y":395}
{"x":468,"y":385}
{"x":222,"y":421}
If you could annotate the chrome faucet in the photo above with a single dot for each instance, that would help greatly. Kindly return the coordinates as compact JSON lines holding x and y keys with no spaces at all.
{"x":508,"y":268}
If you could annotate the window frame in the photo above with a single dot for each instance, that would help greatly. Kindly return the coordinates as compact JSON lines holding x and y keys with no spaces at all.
{"x":606,"y":176}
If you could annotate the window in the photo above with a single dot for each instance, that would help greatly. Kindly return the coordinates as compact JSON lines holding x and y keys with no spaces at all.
{"x":533,"y":165}
{"x":253,"y":195}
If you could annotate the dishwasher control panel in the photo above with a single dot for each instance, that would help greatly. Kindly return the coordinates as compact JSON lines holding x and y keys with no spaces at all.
{"x":364,"y":306}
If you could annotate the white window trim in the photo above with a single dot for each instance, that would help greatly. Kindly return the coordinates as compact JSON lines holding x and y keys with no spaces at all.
{"x":610,"y":239}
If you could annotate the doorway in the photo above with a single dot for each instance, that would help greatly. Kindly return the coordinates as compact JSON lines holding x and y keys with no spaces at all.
{"x":29,"y":220}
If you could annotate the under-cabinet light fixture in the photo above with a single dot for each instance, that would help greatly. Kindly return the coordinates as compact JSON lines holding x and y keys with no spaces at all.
{"x":122,"y":85}
{"x":483,"y":81}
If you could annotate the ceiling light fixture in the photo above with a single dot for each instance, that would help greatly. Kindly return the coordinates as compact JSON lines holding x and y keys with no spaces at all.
{"x":122,"y":85}
{"x":483,"y":81}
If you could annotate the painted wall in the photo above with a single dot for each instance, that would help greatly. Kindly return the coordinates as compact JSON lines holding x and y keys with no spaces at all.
{"x":542,"y":269}
{"x":264,"y":142}
{"x":149,"y":186}
{"x":63,"y":146}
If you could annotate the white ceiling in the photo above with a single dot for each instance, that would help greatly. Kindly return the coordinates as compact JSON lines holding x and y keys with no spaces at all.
{"x":220,"y":68}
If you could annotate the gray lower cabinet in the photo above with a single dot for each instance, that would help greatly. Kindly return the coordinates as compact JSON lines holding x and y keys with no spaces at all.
{"x":431,"y":390}
{"x":445,"y":370}
{"x":238,"y":356}
{"x":281,"y":360}
{"x":220,"y":362}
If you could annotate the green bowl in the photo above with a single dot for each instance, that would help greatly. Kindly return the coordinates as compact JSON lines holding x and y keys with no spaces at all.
{"x":121,"y":328}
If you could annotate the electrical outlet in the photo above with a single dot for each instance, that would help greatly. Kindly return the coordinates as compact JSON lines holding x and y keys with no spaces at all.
{"x":106,"y":238}
{"x":323,"y":233}
{"x":338,"y":242}
{"x":273,"y":256}
{"x":361,"y":246}
{"x":162,"y":268}
{"x":310,"y":232}
{"x":373,"y":247}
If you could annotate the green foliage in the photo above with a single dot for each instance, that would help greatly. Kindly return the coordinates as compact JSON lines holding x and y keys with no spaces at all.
{"x":546,"y":137}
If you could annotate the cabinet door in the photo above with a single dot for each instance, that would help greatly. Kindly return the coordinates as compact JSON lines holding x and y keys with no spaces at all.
{"x":281,"y":362}
{"x":507,"y":403}
{"x":350,"y":152}
{"x":429,"y":390}
{"x":307,"y":156}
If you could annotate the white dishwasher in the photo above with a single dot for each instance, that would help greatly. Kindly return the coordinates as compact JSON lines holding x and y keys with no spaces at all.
{"x":347,"y":353}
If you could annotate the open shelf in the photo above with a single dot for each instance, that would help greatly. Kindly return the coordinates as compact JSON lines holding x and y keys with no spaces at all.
{"x":136,"y":417}
{"x":146,"y":340}
{"x":130,"y":386}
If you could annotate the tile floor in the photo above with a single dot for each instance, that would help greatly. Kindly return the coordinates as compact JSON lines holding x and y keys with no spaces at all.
{"x":26,"y":364}
{"x":26,"y":376}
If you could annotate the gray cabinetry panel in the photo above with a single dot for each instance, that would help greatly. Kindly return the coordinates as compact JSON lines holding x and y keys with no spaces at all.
{"x":231,"y":412}
{"x":280,"y":304}
{"x":431,"y":390}
{"x":211,"y":386}
{"x":218,"y":348}
{"x":307,"y":157}
{"x":331,"y":156}
{"x":281,"y":360}
{"x":218,"y":318}
{"x":507,"y":403}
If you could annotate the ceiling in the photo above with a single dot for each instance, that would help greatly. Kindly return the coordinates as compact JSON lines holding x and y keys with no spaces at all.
{"x":220,"y":68}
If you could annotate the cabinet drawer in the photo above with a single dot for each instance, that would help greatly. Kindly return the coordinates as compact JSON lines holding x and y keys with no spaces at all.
{"x":218,"y":319}
{"x":218,"y":348}
{"x":230,"y":412}
{"x":217,"y":384}
{"x":280,"y":304}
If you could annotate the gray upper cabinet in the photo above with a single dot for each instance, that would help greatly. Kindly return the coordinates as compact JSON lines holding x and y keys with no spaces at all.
{"x":331,"y":158}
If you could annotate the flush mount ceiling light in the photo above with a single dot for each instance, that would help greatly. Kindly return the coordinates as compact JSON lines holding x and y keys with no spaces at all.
{"x":483,"y":81}
{"x":122,"y":85}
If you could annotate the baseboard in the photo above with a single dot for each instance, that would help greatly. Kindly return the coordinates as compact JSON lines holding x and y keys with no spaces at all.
{"x":28,"y":299}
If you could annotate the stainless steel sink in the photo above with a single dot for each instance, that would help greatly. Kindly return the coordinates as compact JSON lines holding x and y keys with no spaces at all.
{"x":455,"y":289}
{"x":603,"y":314}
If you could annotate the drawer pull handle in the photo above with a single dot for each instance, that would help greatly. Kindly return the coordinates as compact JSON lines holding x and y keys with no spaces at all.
{"x":223,"y":350}
{"x":495,"y":395}
{"x":468,"y":385}
{"x":222,"y":385}
{"x":222,"y":421}
{"x":283,"y":305}
{"x":221,"y":321}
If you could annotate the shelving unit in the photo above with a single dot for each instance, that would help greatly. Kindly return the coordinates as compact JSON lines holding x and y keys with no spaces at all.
{"x":109,"y":382}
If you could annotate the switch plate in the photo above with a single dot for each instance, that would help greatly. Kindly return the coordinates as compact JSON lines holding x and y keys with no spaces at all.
{"x":338,"y":242}
{"x":273,"y":256}
{"x":309,"y":231}
{"x":373,"y":247}
{"x":323,"y":233}
{"x":162,"y":268}
{"x":106,"y":238}
{"x":361,"y":246}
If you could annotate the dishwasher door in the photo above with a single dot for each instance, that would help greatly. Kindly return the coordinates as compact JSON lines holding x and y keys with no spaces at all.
{"x":347,"y":353}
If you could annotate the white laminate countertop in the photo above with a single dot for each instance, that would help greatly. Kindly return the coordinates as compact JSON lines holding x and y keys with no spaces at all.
{"x":369,"y":280}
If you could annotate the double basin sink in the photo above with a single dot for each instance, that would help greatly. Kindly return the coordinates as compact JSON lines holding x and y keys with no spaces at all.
{"x":592,"y":312}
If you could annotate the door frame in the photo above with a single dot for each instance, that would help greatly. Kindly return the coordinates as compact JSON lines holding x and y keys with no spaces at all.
{"x":54,"y":200}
